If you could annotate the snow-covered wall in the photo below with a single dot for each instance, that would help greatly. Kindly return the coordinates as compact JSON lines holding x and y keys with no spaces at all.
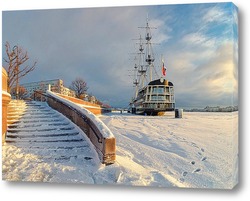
{"x":98,"y":133}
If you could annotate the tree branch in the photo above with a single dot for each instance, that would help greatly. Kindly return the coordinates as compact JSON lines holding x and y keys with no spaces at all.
{"x":15,"y":60}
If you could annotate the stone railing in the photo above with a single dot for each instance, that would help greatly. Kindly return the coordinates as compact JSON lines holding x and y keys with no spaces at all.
{"x":6,"y":97}
{"x":94,"y":108}
{"x":98,"y":133}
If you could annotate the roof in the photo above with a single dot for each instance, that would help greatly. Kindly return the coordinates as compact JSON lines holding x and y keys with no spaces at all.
{"x":158,"y":82}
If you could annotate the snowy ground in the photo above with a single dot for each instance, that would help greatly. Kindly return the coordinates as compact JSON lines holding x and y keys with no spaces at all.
{"x":198,"y":151}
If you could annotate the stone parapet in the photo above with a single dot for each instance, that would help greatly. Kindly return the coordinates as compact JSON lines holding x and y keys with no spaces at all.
{"x":94,"y":108}
{"x":6,"y":97}
{"x":98,"y":133}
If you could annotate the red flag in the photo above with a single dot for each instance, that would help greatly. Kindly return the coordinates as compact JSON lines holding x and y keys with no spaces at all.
{"x":163,"y":69}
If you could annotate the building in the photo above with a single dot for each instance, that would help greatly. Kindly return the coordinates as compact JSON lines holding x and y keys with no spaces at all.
{"x":42,"y":86}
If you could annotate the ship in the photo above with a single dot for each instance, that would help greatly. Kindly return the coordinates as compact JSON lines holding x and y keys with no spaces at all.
{"x":153,"y":94}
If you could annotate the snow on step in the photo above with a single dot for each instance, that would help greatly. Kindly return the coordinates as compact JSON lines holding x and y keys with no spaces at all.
{"x":16,"y":109}
{"x":40,"y":130}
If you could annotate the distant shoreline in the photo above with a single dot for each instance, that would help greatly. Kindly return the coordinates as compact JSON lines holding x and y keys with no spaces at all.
{"x":213,"y":109}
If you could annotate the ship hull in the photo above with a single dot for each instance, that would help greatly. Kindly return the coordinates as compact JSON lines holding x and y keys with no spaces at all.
{"x":152,"y":112}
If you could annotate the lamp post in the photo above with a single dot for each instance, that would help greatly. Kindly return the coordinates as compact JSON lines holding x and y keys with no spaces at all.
{"x":15,"y":48}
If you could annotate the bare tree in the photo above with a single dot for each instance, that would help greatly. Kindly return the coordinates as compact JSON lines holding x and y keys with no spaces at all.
{"x":79,"y":86}
{"x":22,"y":92}
{"x":16,"y":57}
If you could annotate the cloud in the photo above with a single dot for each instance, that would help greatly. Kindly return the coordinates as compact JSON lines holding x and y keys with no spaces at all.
{"x":215,"y":14}
{"x":212,"y":81}
{"x":92,"y":43}
{"x":161,"y":33}
{"x":96,"y":43}
{"x":203,"y":62}
{"x":199,"y":40}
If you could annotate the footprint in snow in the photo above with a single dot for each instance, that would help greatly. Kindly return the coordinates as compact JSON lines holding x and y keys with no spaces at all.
{"x":204,"y":158}
{"x":184,"y":174}
{"x":182,"y":180}
{"x":194,"y":145}
{"x":87,"y":158}
{"x":202,"y":150}
{"x":197,"y":170}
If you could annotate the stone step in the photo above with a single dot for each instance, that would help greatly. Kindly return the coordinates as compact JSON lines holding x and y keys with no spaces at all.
{"x":9,"y":140}
{"x":41,"y":121}
{"x":16,"y":109}
{"x":16,"y":112}
{"x":31,"y":114}
{"x":20,"y":125}
{"x":82,"y":150}
{"x":41,"y":116}
{"x":37,"y":129}
{"x":10,"y":135}
{"x":36,"y":148}
{"x":40,"y":129}
{"x":13,"y":116}
{"x":51,"y":145}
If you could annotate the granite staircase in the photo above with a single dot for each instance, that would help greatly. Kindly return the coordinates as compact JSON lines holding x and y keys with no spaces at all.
{"x":37,"y":129}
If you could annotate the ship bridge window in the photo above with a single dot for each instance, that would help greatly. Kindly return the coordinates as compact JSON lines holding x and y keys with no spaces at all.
{"x":154,"y":90}
{"x":153,"y":98}
{"x":158,"y":90}
{"x":162,"y":98}
{"x":158,"y":98}
{"x":161,"y":90}
{"x":171,"y":90}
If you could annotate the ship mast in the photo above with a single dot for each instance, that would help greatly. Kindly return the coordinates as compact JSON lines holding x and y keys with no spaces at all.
{"x":149,"y":55}
{"x":145,"y":60}
{"x":139,"y":69}
{"x":136,"y":82}
{"x":142,"y":71}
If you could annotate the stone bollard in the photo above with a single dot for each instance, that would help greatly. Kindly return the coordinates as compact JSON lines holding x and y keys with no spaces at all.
{"x":178,"y":113}
{"x":133,"y":110}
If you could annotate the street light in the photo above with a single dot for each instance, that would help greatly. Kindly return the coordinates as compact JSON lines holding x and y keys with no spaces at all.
{"x":16,"y":70}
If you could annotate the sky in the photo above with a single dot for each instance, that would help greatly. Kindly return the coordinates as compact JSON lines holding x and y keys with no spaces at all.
{"x":199,"y":43}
